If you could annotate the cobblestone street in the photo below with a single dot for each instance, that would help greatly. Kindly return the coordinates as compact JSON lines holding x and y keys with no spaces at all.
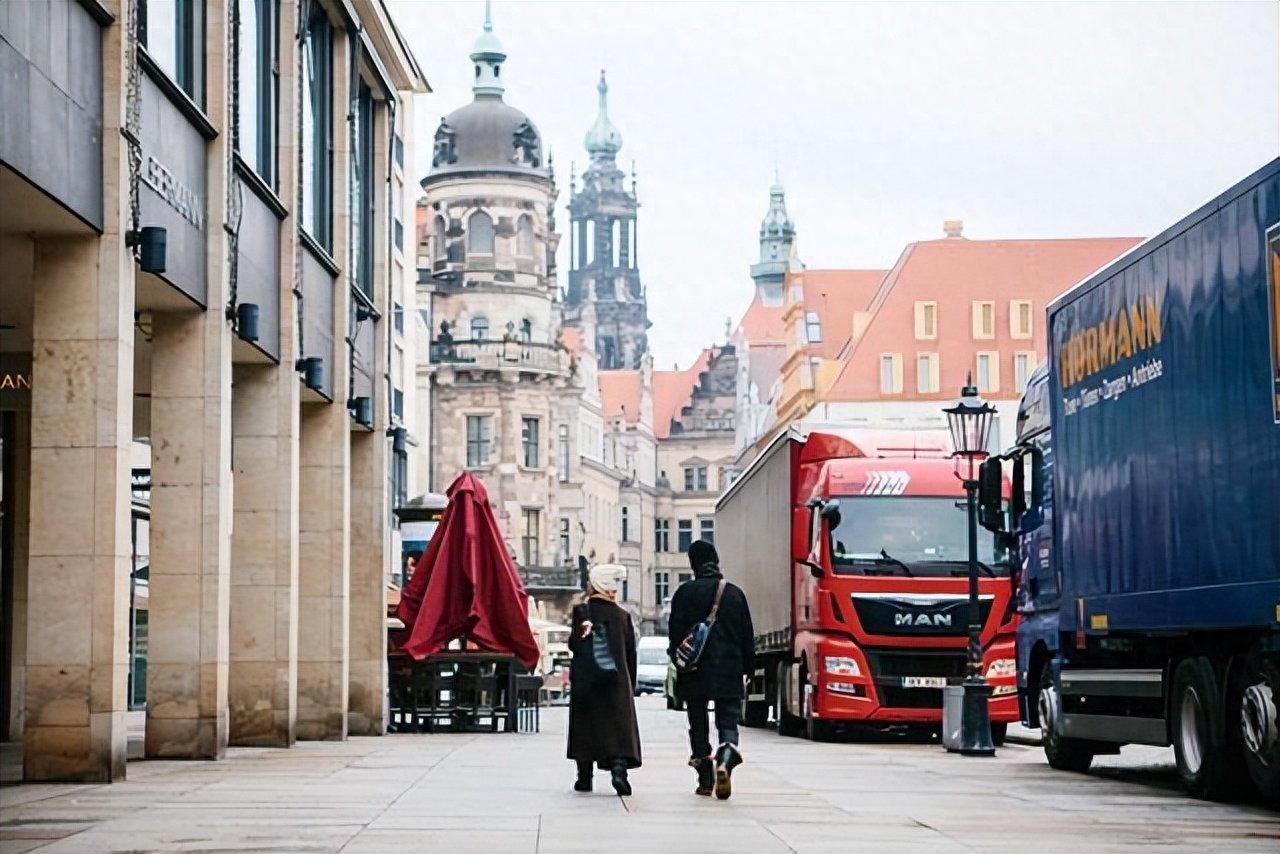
{"x":508,"y":793}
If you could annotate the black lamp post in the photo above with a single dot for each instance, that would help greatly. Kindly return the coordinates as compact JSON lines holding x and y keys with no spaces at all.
{"x":970,"y":422}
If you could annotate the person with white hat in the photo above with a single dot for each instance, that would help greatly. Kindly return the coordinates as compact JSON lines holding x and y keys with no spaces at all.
{"x":602,"y":714}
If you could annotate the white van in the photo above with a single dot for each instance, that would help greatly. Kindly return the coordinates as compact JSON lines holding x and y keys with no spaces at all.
{"x":651,"y":665}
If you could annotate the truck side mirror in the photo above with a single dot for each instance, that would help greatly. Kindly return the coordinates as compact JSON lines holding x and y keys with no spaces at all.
{"x":831,"y":513}
{"x":1018,"y":501}
{"x":990,"y":497}
{"x":1037,"y":477}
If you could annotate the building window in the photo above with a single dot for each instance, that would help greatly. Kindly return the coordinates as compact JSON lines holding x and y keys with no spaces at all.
{"x":397,"y":317}
{"x":479,"y":329}
{"x":927,"y":373}
{"x":529,"y":539}
{"x":661,"y":586}
{"x":926,"y":321}
{"x":563,"y":547}
{"x":257,"y":79}
{"x":362,"y":197}
{"x":1023,"y":364}
{"x":562,"y":453}
{"x":479,"y":431}
{"x":626,"y":524}
{"x":172,"y":31}
{"x":684,"y":535}
{"x":813,"y":327}
{"x":662,"y":535}
{"x":707,"y":529}
{"x":529,"y":441}
{"x":438,"y":252}
{"x":891,"y":373}
{"x":984,"y":319}
{"x":397,"y":404}
{"x":524,"y":237}
{"x":1020,"y":318}
{"x":684,"y":577}
{"x":695,"y":479}
{"x":317,"y":129}
{"x":480,"y":234}
{"x":988,"y":372}
{"x":397,"y":203}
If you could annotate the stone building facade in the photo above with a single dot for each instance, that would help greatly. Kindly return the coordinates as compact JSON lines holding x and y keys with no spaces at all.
{"x":203,"y":287}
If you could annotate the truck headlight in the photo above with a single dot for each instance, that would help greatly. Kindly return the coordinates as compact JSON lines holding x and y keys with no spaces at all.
{"x":835,"y":665}
{"x":1002,"y":668}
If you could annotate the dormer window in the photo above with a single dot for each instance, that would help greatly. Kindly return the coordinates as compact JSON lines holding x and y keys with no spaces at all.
{"x":813,"y":327}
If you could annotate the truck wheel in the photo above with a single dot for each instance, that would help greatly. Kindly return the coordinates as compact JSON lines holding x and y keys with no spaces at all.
{"x":1199,"y":737}
{"x":788,"y":724}
{"x":1257,"y":692}
{"x":1064,"y":754}
{"x":755,"y":713}
{"x":998,"y":734}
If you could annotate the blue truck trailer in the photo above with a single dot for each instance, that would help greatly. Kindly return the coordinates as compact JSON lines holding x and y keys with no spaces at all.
{"x":1147,"y":504}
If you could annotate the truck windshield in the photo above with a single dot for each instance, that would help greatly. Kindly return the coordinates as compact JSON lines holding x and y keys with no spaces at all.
{"x":877,"y":534}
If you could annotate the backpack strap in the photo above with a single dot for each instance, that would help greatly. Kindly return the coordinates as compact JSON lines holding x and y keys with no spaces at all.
{"x":715,"y":606}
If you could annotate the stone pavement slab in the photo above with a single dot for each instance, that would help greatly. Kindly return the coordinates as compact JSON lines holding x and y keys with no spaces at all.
{"x":511,"y":793}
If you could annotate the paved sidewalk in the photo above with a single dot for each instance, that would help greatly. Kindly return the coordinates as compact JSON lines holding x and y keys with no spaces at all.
{"x":511,"y":793}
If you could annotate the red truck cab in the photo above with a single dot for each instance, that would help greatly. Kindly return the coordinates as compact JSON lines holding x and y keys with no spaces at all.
{"x":878,"y":570}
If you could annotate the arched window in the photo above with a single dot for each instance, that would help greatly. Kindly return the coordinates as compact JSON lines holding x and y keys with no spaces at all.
{"x":480,"y":234}
{"x":524,"y":237}
{"x":439,"y":241}
{"x":526,"y":330}
{"x":479,"y":329}
{"x":591,"y":241}
{"x":617,"y":243}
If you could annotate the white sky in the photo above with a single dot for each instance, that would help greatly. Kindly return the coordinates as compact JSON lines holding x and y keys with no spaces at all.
{"x":884,"y":119}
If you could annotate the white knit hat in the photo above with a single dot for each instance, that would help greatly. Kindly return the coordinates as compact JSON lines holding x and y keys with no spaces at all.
{"x":605,"y":577}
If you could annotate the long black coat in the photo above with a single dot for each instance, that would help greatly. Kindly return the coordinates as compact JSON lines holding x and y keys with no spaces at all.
{"x":602,"y":714}
{"x":730,"y":651}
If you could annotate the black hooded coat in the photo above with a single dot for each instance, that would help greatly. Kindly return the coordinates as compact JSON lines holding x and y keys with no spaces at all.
{"x":730,"y":651}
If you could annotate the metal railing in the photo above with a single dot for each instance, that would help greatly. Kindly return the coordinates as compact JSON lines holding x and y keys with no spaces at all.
{"x":492,"y":355}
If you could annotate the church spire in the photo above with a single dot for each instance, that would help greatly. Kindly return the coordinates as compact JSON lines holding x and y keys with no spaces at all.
{"x":488,"y":56}
{"x":603,"y":140}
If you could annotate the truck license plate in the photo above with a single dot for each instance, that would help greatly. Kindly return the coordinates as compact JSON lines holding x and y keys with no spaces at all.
{"x":924,"y":681}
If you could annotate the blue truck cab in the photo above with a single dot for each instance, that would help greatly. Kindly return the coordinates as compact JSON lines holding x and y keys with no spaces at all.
{"x":1146,"y":504}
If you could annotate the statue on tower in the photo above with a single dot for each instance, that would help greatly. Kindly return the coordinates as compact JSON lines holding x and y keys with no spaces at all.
{"x":446,"y":145}
{"x":528,"y":149}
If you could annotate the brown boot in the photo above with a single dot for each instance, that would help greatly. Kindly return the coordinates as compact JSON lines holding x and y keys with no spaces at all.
{"x":706,"y":769}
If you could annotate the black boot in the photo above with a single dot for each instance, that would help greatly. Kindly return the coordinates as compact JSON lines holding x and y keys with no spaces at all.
{"x":706,"y":768}
{"x":620,"y":783}
{"x":727,"y":758}
{"x":584,"y":777}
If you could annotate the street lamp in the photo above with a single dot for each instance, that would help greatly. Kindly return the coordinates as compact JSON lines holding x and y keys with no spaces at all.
{"x":970,"y":422}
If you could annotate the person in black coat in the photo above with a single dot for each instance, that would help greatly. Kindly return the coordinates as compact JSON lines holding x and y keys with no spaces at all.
{"x":720,"y":674}
{"x":602,"y":711}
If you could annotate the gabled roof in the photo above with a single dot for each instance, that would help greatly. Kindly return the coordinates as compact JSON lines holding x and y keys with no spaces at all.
{"x":955,"y":272}
{"x":673,"y":391}
{"x":835,"y":295}
{"x":762,"y":324}
{"x":620,"y":394}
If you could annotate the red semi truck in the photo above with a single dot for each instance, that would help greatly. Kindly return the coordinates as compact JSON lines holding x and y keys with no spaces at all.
{"x":852,"y":548}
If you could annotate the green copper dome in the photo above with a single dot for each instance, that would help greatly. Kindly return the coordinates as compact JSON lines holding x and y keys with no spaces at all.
{"x":603,"y":140}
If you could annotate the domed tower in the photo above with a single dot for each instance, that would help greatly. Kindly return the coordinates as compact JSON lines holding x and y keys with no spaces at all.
{"x":604,"y":270}
{"x":777,"y":234}
{"x":497,"y":373}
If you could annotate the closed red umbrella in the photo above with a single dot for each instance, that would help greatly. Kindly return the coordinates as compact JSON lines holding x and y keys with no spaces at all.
{"x":466,"y":585}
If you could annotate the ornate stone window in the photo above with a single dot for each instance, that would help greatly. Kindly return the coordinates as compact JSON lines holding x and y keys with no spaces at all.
{"x":480,"y":234}
{"x":524,"y":237}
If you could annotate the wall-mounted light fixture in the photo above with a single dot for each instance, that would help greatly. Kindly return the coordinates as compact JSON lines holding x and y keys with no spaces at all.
{"x":363,"y":313}
{"x":312,"y":370}
{"x":247,"y":321}
{"x":152,"y":242}
{"x":399,"y":440}
{"x":361,"y":410}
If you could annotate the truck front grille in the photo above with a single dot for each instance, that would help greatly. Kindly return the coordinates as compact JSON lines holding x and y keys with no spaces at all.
{"x":888,"y":668}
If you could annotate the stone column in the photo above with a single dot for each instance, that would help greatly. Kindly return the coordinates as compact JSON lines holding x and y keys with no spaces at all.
{"x":370,"y":540}
{"x":324,"y":571}
{"x":263,"y":689}
{"x":190,"y":586}
{"x":77,"y":662}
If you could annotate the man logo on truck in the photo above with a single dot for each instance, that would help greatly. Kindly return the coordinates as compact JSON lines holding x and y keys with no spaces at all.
{"x":901,"y":619}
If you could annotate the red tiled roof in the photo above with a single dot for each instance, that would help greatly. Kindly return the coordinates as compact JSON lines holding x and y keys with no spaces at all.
{"x":672,"y":391}
{"x":835,"y":295}
{"x":620,"y":393}
{"x":762,"y":323}
{"x":572,"y":339}
{"x":954,"y":273}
